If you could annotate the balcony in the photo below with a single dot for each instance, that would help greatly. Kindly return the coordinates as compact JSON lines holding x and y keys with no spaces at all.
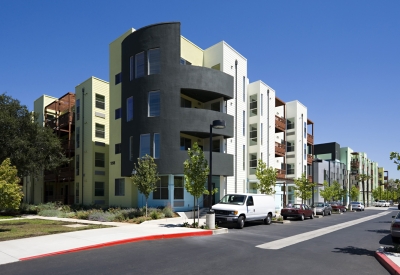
{"x":309,"y":159}
{"x":280,"y":149}
{"x":280,"y":124}
{"x":310,"y":139}
{"x":355,"y":164}
{"x":68,"y":146}
{"x":309,"y":178}
{"x":280,"y":174}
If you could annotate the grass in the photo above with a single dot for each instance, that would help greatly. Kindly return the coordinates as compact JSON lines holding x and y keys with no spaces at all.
{"x":6,"y":217}
{"x":26,"y":228}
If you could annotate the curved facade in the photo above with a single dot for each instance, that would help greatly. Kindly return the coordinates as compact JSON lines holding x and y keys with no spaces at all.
{"x":186,"y":101}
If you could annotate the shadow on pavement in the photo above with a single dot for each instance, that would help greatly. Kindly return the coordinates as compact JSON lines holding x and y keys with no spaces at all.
{"x":384,"y":222}
{"x":351,"y":250}
{"x":380,"y":231}
{"x":387,"y":240}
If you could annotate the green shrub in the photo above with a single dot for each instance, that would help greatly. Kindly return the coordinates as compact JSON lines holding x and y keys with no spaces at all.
{"x":28,"y":209}
{"x":50,"y":213}
{"x":82,"y":214}
{"x":101,"y":216}
{"x":168,"y":212}
{"x":155,"y":215}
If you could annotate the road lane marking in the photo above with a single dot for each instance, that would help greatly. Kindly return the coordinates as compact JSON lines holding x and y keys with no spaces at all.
{"x":278,"y":244}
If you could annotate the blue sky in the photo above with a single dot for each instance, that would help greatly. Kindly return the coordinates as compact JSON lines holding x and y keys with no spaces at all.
{"x":339,"y":58}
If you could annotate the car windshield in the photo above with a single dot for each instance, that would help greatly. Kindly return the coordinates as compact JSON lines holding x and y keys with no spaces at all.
{"x":354,"y":202}
{"x":233,"y":199}
{"x":320,"y":204}
{"x":290,"y":205}
{"x":382,"y":201}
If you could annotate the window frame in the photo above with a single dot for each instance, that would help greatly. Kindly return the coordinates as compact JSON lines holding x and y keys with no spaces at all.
{"x":99,"y":159}
{"x":153,"y":63}
{"x":97,"y":189}
{"x":99,"y":103}
{"x":118,"y":185}
{"x":136,"y":64}
{"x":129,"y":109}
{"x":153,"y":110}
{"x":156,"y":145}
{"x":142,"y":139}
{"x":98,"y":132}
{"x":158,"y":193}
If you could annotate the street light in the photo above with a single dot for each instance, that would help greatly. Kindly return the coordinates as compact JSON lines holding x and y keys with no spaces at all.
{"x":216,"y":124}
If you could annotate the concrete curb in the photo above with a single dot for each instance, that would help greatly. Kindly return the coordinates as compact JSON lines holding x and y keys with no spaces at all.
{"x":281,"y":222}
{"x":130,"y":240}
{"x":387,"y":263}
{"x":220,"y":231}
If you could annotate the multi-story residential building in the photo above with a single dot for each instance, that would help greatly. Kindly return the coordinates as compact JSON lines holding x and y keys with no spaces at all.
{"x":381,"y":181}
{"x":360,"y":164}
{"x":345,"y":157}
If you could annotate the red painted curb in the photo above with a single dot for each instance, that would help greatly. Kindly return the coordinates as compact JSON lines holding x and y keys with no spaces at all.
{"x":393,"y":268}
{"x":130,"y":240}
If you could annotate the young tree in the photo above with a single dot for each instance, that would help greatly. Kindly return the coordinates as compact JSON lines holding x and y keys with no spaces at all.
{"x":303,"y":188}
{"x":363,"y":178}
{"x":396,"y":157}
{"x":326,"y":193}
{"x":196,"y":172}
{"x":354,"y":193}
{"x":337,"y":191}
{"x":146,"y":176}
{"x":376,"y":193}
{"x":30,"y":147}
{"x":10,"y":190}
{"x":266,"y":177}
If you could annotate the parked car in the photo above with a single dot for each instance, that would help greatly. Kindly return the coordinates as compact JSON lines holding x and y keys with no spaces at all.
{"x":395,"y":228}
{"x":338,"y":207}
{"x":239,"y":208}
{"x":322,"y":208}
{"x":382,"y":203}
{"x":355,"y":205}
{"x":300,"y":211}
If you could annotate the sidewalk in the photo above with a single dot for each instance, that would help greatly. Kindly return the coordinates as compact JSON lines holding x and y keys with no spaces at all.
{"x":36,"y":247}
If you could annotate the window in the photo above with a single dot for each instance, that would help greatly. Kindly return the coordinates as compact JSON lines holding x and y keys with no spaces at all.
{"x":100,"y":173}
{"x":119,"y":187}
{"x":77,"y":137}
{"x":161,"y":193}
{"x":118,"y":148}
{"x":131,"y":69}
{"x":290,"y":168}
{"x":98,"y":189}
{"x":118,"y":113}
{"x":216,"y":106}
{"x":178,"y":188}
{"x":77,"y":192}
{"x":244,"y":157}
{"x":244,"y":89}
{"x":261,"y":105}
{"x":305,"y":130}
{"x":261,"y":156}
{"x":253,"y":134}
{"x":290,"y":124}
{"x":153,"y":56}
{"x":99,"y":159}
{"x":186,"y":103}
{"x":139,"y":65}
{"x":186,"y":143}
{"x":78,"y":108}
{"x":129,"y":108}
{"x":97,"y":143}
{"x":252,"y":163}
{"x":289,"y":146}
{"x":144,"y":145}
{"x":131,"y":157}
{"x":261,"y":134}
{"x":305,"y":152}
{"x":100,"y":101}
{"x":100,"y":130}
{"x":156,"y":146}
{"x":253,"y":105}
{"x":185,"y":62}
{"x":118,"y":78}
{"x":244,"y":123}
{"x":154,"y":104}
{"x":77,"y":165}
{"x":216,"y":146}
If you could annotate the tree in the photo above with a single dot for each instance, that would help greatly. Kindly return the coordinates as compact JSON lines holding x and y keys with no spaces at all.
{"x":326,"y":193}
{"x":395,"y":156}
{"x":376,"y":193}
{"x":337,"y":191}
{"x":146,"y":176}
{"x":30,"y":147}
{"x":10,"y":190}
{"x":196,"y":172}
{"x":363,"y":178}
{"x":354,"y":193}
{"x":303,"y":188}
{"x":266,"y":177}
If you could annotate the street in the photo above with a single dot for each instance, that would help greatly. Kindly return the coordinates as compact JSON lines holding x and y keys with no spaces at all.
{"x":258,"y":248}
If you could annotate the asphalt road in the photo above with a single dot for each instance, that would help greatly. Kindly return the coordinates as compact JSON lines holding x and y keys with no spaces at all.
{"x":345,"y":251}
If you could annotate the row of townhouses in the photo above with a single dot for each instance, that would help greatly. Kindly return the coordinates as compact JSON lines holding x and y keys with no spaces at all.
{"x":163,"y":96}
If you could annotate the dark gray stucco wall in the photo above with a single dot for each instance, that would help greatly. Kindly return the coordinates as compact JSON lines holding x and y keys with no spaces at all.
{"x":325,"y":148}
{"x":173,"y":119}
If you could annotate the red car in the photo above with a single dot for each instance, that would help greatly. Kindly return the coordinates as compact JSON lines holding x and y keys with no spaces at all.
{"x":338,"y":207}
{"x":300,"y":211}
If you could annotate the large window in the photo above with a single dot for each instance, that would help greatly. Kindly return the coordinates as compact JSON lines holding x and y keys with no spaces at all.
{"x":77,"y":137}
{"x":261,"y":134}
{"x":244,"y":123}
{"x":253,"y":134}
{"x":186,"y":143}
{"x":100,"y":101}
{"x":100,"y":130}
{"x":161,"y":193}
{"x":290,"y":146}
{"x":154,"y":104}
{"x":253,"y":105}
{"x":78,"y":109}
{"x":290,"y":168}
{"x":252,"y":163}
{"x":118,"y":113}
{"x":244,"y":89}
{"x":216,"y":146}
{"x":118,"y":78}
{"x":139,"y":65}
{"x":290,"y":123}
{"x":98,"y":189}
{"x":178,"y":188}
{"x":99,"y":159}
{"x":129,"y":108}
{"x":156,"y":146}
{"x":154,"y":61}
{"x":118,"y":148}
{"x":77,"y":164}
{"x":144,"y":145}
{"x":305,"y":130}
{"x":119,"y":187}
{"x":305,"y":152}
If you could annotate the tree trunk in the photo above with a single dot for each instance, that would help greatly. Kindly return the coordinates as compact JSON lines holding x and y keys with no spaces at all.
{"x":198,"y":213}
{"x":363,"y":188}
{"x":367,"y":192}
{"x":146,"y":207}
{"x":194,"y":212}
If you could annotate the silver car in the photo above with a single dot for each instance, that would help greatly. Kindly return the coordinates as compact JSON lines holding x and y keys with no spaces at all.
{"x":322,"y":208}
{"x":395,"y":228}
{"x":355,"y":205}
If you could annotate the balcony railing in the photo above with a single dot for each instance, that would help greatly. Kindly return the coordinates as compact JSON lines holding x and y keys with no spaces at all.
{"x":355,"y":163}
{"x":280,"y":149}
{"x":280,"y":174}
{"x":309,"y":159}
{"x":310,"y":178}
{"x":280,"y":124}
{"x":310,"y":139}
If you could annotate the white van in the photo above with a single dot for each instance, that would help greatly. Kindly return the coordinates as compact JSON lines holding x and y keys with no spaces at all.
{"x":239,"y":208}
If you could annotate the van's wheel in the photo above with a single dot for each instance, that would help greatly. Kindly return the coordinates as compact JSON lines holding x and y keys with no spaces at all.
{"x":302,"y":217}
{"x":240,"y":223}
{"x":268,"y":219}
{"x":284,"y":217}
